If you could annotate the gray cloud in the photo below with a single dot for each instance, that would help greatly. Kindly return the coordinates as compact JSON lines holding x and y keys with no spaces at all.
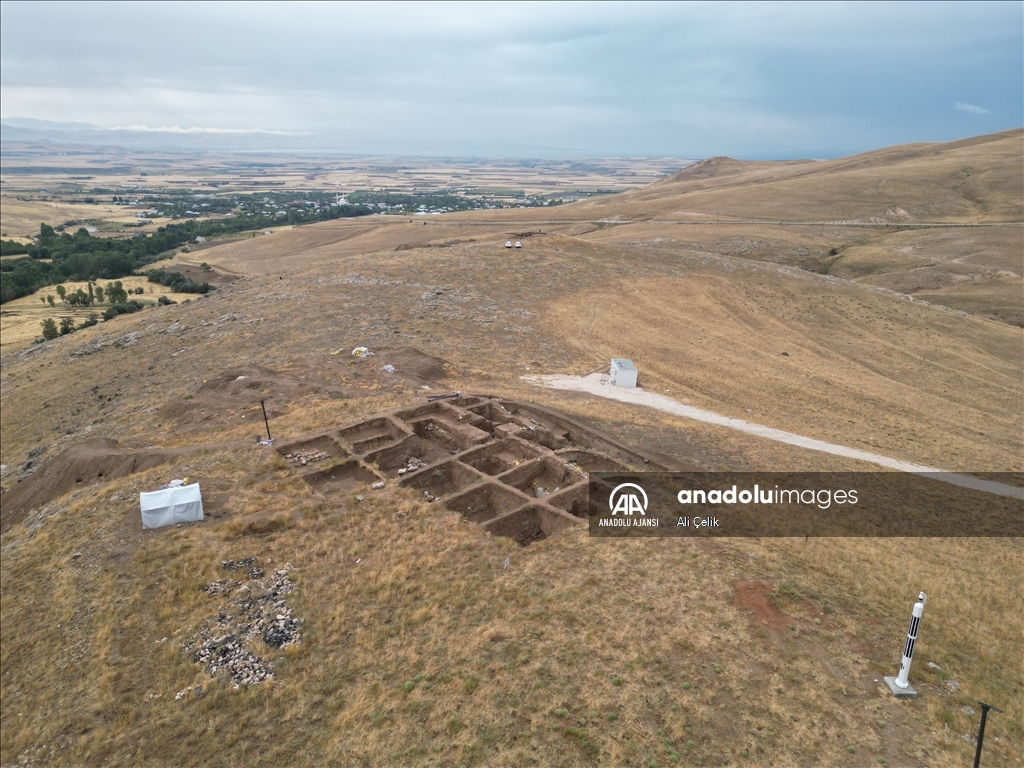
{"x":507,"y":79}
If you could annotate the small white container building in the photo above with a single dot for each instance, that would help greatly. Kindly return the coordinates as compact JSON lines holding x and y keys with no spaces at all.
{"x":623,"y":373}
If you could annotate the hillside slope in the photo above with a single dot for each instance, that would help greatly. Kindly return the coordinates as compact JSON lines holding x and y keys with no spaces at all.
{"x":416,"y":638}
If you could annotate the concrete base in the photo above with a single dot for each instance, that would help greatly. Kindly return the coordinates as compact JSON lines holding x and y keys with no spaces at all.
{"x":897,"y":691}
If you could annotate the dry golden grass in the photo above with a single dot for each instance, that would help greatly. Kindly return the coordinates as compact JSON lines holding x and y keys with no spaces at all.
{"x":970,"y":181}
{"x":418,"y":647}
{"x":20,"y":319}
{"x":22,"y":218}
{"x":834,"y":362}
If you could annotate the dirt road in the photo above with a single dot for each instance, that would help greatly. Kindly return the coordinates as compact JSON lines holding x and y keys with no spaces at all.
{"x":598,"y":384}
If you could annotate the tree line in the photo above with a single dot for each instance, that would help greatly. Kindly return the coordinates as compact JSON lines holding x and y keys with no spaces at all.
{"x":81,"y":257}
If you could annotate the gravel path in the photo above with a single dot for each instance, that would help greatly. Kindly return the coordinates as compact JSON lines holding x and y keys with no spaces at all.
{"x":597,"y":384}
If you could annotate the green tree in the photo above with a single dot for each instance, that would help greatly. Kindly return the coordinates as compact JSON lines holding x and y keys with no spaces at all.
{"x":99,"y":295}
{"x":49,"y":329}
{"x":62,"y":294}
{"x":49,"y":299}
{"x":67,"y":325}
{"x":116,"y":294}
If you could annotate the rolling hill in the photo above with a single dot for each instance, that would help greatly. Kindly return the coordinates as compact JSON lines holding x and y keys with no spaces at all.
{"x":873,"y":301}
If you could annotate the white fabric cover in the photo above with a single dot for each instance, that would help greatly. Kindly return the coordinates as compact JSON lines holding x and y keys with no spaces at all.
{"x":171,"y":505}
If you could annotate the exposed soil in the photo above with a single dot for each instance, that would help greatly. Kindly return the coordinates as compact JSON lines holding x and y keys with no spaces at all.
{"x":346,"y":476}
{"x":414,"y":366}
{"x":81,"y":464}
{"x":239,"y":389}
{"x":755,"y":597}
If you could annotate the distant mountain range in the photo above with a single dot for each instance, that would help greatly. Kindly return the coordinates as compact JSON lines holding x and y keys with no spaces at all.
{"x":30,"y":130}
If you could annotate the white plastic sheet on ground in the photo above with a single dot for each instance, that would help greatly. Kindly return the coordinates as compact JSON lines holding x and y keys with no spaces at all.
{"x":168,"y":506}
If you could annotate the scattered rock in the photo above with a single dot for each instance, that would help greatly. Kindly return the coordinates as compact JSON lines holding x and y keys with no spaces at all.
{"x":221,"y":587}
{"x":377,"y":486}
{"x":967,"y":710}
{"x":302,"y":458}
{"x":411,"y":465}
{"x":121,"y":341}
{"x":228,"y":645}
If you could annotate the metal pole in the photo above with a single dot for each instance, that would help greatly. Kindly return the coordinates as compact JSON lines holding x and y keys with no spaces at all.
{"x":265,"y":418}
{"x":981,"y":730}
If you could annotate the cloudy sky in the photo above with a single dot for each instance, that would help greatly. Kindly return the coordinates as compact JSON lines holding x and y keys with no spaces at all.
{"x":691,"y":80}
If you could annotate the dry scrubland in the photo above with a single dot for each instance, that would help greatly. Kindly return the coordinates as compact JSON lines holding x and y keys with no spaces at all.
{"x":419,"y":648}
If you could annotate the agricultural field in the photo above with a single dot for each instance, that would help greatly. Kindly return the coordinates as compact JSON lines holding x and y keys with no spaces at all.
{"x":873,"y":302}
{"x":21,"y":319}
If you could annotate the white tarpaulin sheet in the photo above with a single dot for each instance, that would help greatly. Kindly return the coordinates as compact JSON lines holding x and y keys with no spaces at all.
{"x":168,"y":506}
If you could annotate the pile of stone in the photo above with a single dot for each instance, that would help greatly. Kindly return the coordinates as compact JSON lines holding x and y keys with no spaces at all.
{"x":302,"y":458}
{"x":249,"y":563}
{"x":221,"y":587}
{"x":256,"y":619}
{"x":411,"y":466}
{"x":225,"y":653}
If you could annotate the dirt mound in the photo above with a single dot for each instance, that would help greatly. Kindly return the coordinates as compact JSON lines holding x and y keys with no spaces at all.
{"x":410,"y":363}
{"x":239,"y":388}
{"x":78,"y":465}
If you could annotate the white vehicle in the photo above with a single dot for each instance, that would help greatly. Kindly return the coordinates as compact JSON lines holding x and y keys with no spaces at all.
{"x":518,"y":244}
{"x":508,"y":243}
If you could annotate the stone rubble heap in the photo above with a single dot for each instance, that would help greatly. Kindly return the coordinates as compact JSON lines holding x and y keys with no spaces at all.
{"x":411,"y":466}
{"x":302,"y":458}
{"x":256,"y":618}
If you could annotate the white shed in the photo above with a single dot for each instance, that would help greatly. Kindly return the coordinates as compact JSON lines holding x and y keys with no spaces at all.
{"x":183,"y":504}
{"x":623,"y":373}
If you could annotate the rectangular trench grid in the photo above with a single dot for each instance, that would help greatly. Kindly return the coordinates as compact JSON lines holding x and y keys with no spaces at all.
{"x":539,"y":477}
{"x":590,"y":461}
{"x":394,"y":457}
{"x":543,"y":429}
{"x":449,"y":437}
{"x":529,"y":525}
{"x":500,"y":456}
{"x":575,"y":500}
{"x":485,"y":502}
{"x":314,"y":445}
{"x":341,"y":478}
{"x":443,"y":479}
{"x":372,"y":434}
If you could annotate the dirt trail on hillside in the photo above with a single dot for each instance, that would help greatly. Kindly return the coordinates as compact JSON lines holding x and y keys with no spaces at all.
{"x":598,"y":384}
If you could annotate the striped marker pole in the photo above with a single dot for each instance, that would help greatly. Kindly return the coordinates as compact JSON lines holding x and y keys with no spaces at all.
{"x":899,"y":684}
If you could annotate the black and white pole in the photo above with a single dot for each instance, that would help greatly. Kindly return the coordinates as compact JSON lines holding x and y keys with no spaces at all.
{"x":899,"y":684}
